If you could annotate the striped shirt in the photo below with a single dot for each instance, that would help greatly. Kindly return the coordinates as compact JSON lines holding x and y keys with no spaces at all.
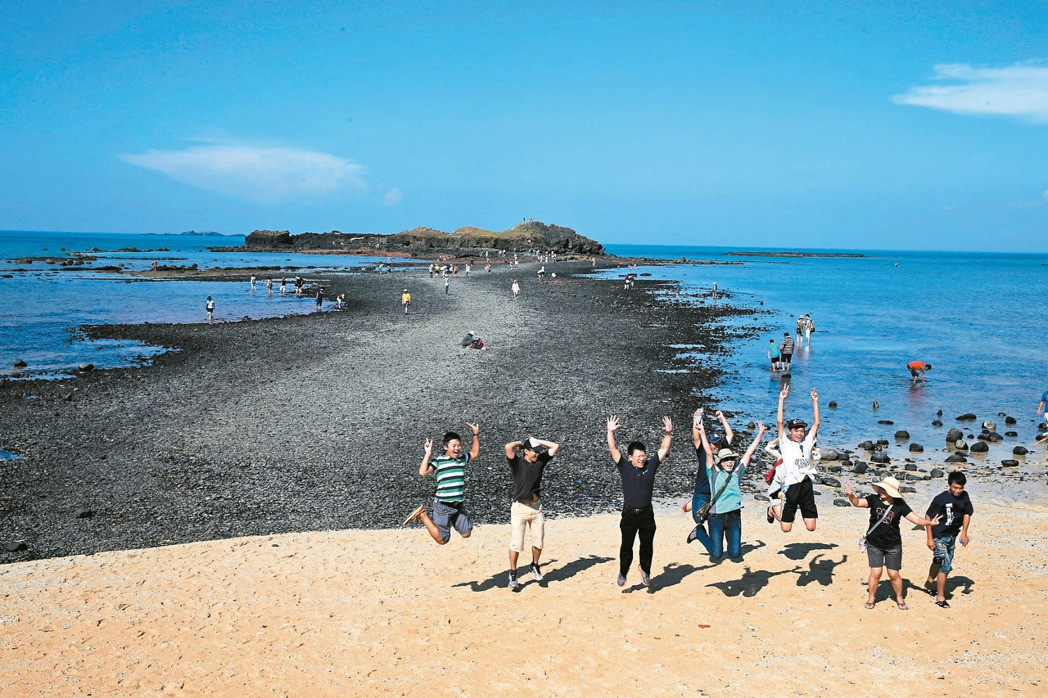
{"x":451,"y":477}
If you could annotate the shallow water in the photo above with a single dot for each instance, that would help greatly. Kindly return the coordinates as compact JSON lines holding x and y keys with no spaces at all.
{"x":974,"y":317}
{"x":46,"y":305}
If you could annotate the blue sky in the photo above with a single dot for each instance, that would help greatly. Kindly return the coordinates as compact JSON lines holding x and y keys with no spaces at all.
{"x":817,"y":124}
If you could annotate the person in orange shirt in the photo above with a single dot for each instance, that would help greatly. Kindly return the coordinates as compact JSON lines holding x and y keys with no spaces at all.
{"x":918,"y":368}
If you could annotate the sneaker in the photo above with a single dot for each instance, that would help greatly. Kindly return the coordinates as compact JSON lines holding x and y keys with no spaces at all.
{"x":414,"y":516}
{"x":644,"y":578}
{"x":621,"y":581}
{"x":513,"y":583}
{"x":536,"y":572}
{"x":694,"y":535}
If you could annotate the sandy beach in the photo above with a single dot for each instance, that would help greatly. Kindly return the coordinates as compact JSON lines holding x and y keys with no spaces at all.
{"x":388,"y":612}
{"x":243,"y":496}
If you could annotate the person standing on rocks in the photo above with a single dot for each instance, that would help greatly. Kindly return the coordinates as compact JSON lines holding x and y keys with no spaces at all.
{"x":405,"y":300}
{"x":795,"y":476}
{"x":515,"y":288}
{"x":918,"y":368}
{"x":320,"y":298}
{"x":448,"y":506}
{"x":883,"y":542}
{"x":209,"y":306}
{"x":527,"y":461}
{"x":637,"y":471}
{"x":954,"y":507}
{"x":787,"y":352}
{"x":447,"y":283}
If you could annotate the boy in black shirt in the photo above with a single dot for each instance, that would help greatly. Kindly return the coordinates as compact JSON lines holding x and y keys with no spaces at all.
{"x":955,"y":509}
{"x":526,"y":512}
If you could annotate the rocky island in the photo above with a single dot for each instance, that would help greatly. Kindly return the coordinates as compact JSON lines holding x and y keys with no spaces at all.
{"x":428,"y":242}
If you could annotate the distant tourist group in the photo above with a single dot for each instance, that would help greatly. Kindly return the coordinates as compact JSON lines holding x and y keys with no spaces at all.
{"x":716,"y":501}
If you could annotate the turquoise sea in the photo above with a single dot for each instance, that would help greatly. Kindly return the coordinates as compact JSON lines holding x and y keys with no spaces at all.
{"x":47,"y":304}
{"x":974,"y":317}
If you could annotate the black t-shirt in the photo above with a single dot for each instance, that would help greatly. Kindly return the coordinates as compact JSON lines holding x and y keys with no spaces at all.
{"x":638,"y":483}
{"x":527,"y":476}
{"x":702,"y":478}
{"x":952,"y":510}
{"x":886,"y":535}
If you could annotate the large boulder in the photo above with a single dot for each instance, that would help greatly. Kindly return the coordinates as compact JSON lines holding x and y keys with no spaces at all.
{"x":954,"y":435}
{"x":269,"y":240}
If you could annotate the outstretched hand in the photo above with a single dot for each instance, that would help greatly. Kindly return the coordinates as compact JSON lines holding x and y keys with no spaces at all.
{"x":429,"y":445}
{"x":613,"y":423}
{"x":785,"y":392}
{"x":697,"y":419}
{"x":814,"y":395}
{"x":667,"y":425}
{"x":474,"y":427}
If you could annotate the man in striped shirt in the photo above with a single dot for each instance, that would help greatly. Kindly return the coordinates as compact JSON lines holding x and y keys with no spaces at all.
{"x":450,"y":467}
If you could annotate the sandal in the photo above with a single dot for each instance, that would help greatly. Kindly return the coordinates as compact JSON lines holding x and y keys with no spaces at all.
{"x":869,"y":605}
{"x":902,"y":606}
{"x":942,"y":604}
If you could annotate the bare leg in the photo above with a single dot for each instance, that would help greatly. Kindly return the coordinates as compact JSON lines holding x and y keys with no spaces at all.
{"x":432,"y":528}
{"x":810,"y":524}
{"x":896,"y":579}
{"x":513,"y":555}
{"x":536,"y":553}
{"x":871,"y":584}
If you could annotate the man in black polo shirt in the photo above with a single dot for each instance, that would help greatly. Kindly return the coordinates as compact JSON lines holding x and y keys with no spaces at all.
{"x":638,"y":479}
{"x":527,"y":465}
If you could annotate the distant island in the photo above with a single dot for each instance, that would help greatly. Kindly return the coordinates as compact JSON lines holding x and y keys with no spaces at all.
{"x":206,"y":234}
{"x":428,"y":242}
{"x":795,"y":253}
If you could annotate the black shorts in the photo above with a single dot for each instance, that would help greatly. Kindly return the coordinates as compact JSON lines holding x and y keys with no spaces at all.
{"x":787,"y":357}
{"x":800,"y":496}
{"x":914,"y":372}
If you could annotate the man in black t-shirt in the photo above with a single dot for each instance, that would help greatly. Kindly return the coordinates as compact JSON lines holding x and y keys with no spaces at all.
{"x":955,"y":508}
{"x":527,"y":460}
{"x":637,"y":471}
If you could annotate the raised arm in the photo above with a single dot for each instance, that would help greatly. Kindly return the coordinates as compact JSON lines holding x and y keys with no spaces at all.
{"x":696,"y":428}
{"x":782,"y":398}
{"x":855,"y":501}
{"x":551,"y":446}
{"x":664,"y":447}
{"x":425,"y":468}
{"x":613,"y":424}
{"x":753,"y":446}
{"x":474,"y":451}
{"x":815,"y":420}
{"x":511,"y":448}
{"x":729,"y":435}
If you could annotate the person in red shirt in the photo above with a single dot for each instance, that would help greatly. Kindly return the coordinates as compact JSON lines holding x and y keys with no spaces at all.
{"x":918,"y":368}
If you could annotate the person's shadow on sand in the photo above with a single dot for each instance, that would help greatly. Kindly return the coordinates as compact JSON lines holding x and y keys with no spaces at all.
{"x":550,"y":574}
{"x":799,"y":551}
{"x":820,"y":571}
{"x":750,"y":583}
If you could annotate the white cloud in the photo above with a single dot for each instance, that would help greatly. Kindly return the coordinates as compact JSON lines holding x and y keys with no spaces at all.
{"x":267,"y":175}
{"x":393,"y":197}
{"x":1020,"y":91}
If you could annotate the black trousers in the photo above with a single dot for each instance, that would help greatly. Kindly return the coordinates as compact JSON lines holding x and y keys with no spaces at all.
{"x":636,"y":521}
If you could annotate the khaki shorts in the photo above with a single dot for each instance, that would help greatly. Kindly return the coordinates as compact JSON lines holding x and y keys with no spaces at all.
{"x":520,"y":517}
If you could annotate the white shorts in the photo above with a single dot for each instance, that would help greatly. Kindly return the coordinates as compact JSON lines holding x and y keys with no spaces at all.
{"x":521,"y":516}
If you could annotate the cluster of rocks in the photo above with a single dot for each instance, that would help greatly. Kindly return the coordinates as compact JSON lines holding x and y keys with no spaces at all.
{"x":428,"y":242}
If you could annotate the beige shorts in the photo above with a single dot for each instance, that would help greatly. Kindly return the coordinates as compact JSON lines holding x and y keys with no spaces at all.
{"x":520,"y":517}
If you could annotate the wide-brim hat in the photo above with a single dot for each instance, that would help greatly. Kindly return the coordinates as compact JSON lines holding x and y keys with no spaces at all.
{"x":725,"y":454}
{"x":890,"y":486}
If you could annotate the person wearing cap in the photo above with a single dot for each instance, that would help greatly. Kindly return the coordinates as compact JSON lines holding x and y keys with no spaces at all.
{"x":701,"y":494}
{"x":883,"y":540}
{"x":450,"y":467}
{"x":637,"y":471}
{"x":795,"y":476}
{"x":725,"y":477}
{"x":405,"y":300}
{"x":527,"y":461}
{"x":918,"y":368}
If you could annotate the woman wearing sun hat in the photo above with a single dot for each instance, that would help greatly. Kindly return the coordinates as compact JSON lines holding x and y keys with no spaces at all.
{"x":883,"y":541}
{"x":725,"y":477}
